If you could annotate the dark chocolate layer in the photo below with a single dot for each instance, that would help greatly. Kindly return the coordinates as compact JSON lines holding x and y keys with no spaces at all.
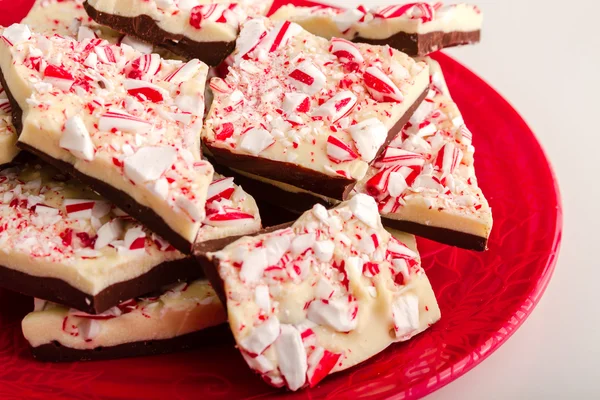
{"x":295,"y":175}
{"x":421,"y":44}
{"x":146,"y":29}
{"x":143,"y":214}
{"x":59,"y":291}
{"x":442,"y":235}
{"x":55,"y":352}
{"x":298,"y":203}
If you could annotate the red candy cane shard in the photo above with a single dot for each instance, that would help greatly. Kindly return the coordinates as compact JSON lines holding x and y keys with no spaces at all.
{"x":381,"y":87}
{"x":123,"y":122}
{"x":220,"y":189}
{"x":58,"y":77}
{"x":392,"y":157}
{"x":345,"y":50}
{"x":338,"y":151}
{"x":448,"y":159}
{"x":337,"y":107}
{"x":308,"y":78}
{"x":144,"y":90}
{"x":320,"y":364}
{"x":279,"y":36}
{"x":143,"y":67}
{"x":423,"y":11}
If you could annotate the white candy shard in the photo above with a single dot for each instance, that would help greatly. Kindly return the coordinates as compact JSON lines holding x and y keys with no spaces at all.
{"x":16,"y":34}
{"x":291,"y":357}
{"x":262,"y":297}
{"x":365,"y":209}
{"x":256,"y":140}
{"x":149,"y":163}
{"x":252,"y":32}
{"x":301,"y":243}
{"x":254,"y":265}
{"x":185,"y":72}
{"x":368,"y":135}
{"x":295,"y":102}
{"x":89,"y":328}
{"x":136,"y":44}
{"x":277,"y":246}
{"x":278,"y":36}
{"x":324,"y":250}
{"x":334,"y":313}
{"x":110,"y":231}
{"x":406,"y":315}
{"x":261,"y":336}
{"x":77,"y":140}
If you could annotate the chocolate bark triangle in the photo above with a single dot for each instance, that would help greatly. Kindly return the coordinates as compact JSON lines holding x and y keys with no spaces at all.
{"x":425,"y":181}
{"x":125,"y":123}
{"x":414,"y":28}
{"x":61,"y":242}
{"x":181,"y":317}
{"x":309,"y":112}
{"x":322,"y":295}
{"x":202,"y":29}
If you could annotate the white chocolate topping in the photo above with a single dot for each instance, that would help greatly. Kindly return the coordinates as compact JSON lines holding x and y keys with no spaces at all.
{"x":8,"y":134}
{"x":198,"y":20}
{"x":384,"y":21}
{"x":54,"y":227}
{"x":430,"y":167}
{"x":66,"y":18}
{"x":296,"y":98}
{"x":324,"y":295}
{"x":182,"y":309}
{"x":129,"y":119}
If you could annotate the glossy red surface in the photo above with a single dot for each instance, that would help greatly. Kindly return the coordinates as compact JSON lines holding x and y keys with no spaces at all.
{"x":484,"y":297}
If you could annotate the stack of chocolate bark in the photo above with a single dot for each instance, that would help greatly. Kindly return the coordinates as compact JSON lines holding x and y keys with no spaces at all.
{"x":115,"y":221}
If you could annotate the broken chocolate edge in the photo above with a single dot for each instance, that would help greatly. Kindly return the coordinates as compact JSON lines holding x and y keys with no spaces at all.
{"x":422,"y":44}
{"x":299,"y":203}
{"x":58,"y":291}
{"x":145,"y":28}
{"x":210,"y":266}
{"x":55,"y":352}
{"x":295,"y":175}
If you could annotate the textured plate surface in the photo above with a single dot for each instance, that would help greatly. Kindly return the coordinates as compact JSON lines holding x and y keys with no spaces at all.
{"x":484,"y":297}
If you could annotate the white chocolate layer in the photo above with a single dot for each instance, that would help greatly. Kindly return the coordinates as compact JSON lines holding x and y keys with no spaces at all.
{"x":294,"y":97}
{"x":179,"y":311}
{"x":59,"y":229}
{"x":130,"y":120}
{"x":199,"y":20}
{"x":383,"y":22}
{"x":65,"y":17}
{"x":335,"y":288}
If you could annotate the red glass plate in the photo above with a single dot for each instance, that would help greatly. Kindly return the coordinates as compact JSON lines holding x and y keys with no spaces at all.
{"x":484,"y":297}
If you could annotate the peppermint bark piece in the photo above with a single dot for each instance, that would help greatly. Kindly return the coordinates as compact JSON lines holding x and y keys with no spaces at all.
{"x":127,"y":124}
{"x":324,"y":295}
{"x":8,"y":133}
{"x":414,"y":28}
{"x":177,"y":319}
{"x":204,"y":29}
{"x":425,"y":182}
{"x":309,"y":112}
{"x":61,"y":242}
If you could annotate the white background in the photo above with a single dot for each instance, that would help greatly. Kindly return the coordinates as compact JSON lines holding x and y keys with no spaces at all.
{"x":543,"y":56}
